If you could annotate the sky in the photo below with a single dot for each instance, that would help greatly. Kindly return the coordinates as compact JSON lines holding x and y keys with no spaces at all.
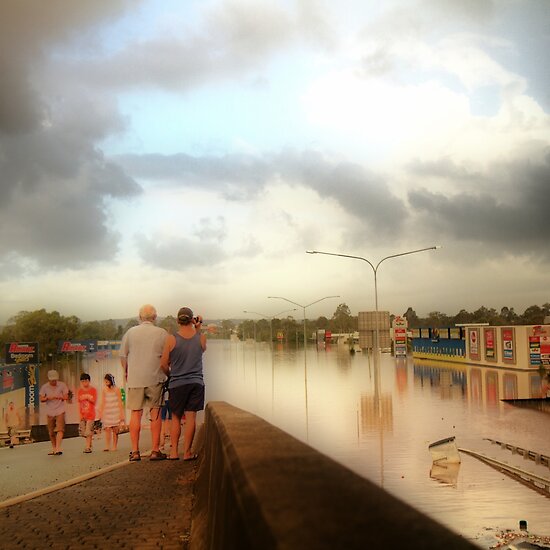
{"x":189,"y":153}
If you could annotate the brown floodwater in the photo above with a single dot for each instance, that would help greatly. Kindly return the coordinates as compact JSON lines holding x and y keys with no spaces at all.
{"x":378,"y":419}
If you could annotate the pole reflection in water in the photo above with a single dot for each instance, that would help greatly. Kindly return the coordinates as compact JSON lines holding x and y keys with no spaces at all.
{"x":378,"y":418}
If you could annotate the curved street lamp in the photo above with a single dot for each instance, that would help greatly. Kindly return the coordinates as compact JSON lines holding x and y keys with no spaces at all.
{"x":375,"y":270}
{"x":304,"y":308}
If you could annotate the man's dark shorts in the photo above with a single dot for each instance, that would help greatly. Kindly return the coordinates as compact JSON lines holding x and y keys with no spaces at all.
{"x":189,"y":397}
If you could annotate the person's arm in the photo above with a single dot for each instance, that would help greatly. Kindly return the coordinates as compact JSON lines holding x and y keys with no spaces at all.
{"x":44,"y":397}
{"x":124,"y":363}
{"x":169,"y":344}
{"x":203,"y":342}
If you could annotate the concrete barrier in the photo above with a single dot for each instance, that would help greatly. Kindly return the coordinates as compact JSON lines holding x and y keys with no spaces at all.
{"x":260,"y":488}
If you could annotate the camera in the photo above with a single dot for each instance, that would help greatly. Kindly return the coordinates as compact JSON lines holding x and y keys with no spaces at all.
{"x":196,"y":320}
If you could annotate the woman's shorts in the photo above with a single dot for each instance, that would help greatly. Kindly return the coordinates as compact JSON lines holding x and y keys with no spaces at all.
{"x":186,"y":398}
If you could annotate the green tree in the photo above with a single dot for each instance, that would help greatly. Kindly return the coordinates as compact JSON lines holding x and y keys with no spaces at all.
{"x":170,"y":324}
{"x":342,"y":320}
{"x":412,"y":318}
{"x":98,"y":330}
{"x":533,"y":315}
{"x":131,"y":323}
{"x":42,"y":327}
{"x":437,"y":319}
{"x":227,"y":328}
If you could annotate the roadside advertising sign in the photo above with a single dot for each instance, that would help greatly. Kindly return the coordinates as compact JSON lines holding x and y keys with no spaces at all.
{"x":72,"y":346}
{"x":400,"y":336}
{"x":473,"y":339}
{"x":18,"y":353}
{"x":489,"y":344}
{"x":31,"y":386}
{"x":508,"y":345}
{"x":539,"y":346}
{"x":545,"y":350}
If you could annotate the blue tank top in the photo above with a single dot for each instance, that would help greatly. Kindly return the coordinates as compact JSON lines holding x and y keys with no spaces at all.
{"x":186,"y":361}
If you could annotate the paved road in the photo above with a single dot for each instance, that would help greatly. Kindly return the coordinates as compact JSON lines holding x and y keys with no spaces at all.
{"x":138,"y":505}
{"x":28,"y":467}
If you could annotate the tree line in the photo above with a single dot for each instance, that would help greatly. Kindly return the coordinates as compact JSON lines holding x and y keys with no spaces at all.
{"x":47,"y":328}
{"x":533,"y":315}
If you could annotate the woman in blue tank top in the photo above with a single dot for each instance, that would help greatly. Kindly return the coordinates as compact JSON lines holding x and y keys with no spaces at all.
{"x":182,"y":361}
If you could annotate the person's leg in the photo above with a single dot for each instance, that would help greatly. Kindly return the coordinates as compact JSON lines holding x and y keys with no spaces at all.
{"x":188,"y":433}
{"x":135,"y":428}
{"x":175,"y":432}
{"x":58,"y":440}
{"x":89,"y":433}
{"x":156,"y":422}
{"x":51,"y":432}
{"x":108,"y":432}
{"x":115,"y":438}
{"x":60,"y":430}
{"x":14,"y":440}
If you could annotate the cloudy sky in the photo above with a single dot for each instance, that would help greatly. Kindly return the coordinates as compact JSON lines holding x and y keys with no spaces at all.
{"x":189,"y":153}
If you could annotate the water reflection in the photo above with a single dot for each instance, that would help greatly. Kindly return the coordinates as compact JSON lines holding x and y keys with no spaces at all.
{"x":447,"y":474}
{"x":378,"y":418}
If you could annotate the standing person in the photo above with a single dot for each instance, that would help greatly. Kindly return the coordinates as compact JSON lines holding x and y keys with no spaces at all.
{"x":182,"y":359}
{"x":13,"y":421}
{"x":87,"y":398}
{"x":140,"y":353}
{"x":111,"y":412}
{"x":54,"y":394}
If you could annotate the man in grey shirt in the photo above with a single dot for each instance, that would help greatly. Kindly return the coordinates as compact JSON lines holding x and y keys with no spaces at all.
{"x":140,"y":353}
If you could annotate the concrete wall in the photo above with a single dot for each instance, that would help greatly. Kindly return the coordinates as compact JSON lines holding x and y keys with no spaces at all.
{"x":259,"y":488}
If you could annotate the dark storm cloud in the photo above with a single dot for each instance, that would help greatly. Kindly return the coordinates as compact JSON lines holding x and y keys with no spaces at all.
{"x":446,"y":168}
{"x":27,"y":29}
{"x":235,"y":176}
{"x":54,"y":182}
{"x":508,"y":215}
{"x":362,"y":194}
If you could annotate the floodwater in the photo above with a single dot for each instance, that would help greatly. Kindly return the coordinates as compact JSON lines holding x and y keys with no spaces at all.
{"x":378,"y":420}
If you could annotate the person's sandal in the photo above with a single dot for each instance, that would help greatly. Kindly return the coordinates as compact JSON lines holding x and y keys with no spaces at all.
{"x":157,"y":455}
{"x":135,"y":456}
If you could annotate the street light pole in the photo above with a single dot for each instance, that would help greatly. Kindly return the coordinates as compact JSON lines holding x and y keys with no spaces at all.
{"x":375,"y":271}
{"x":270,"y":320}
{"x":304,"y":308}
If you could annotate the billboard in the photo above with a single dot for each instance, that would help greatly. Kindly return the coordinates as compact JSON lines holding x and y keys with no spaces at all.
{"x":73,"y":346}
{"x":473,"y":340}
{"x":400,"y":336}
{"x":489,"y":344}
{"x":508,"y":339}
{"x":21,"y":353}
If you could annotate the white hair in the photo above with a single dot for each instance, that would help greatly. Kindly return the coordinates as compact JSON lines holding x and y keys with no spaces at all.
{"x":147,"y":313}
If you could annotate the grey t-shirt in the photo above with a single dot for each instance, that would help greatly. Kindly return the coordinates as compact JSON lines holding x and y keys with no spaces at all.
{"x":142,"y":346}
